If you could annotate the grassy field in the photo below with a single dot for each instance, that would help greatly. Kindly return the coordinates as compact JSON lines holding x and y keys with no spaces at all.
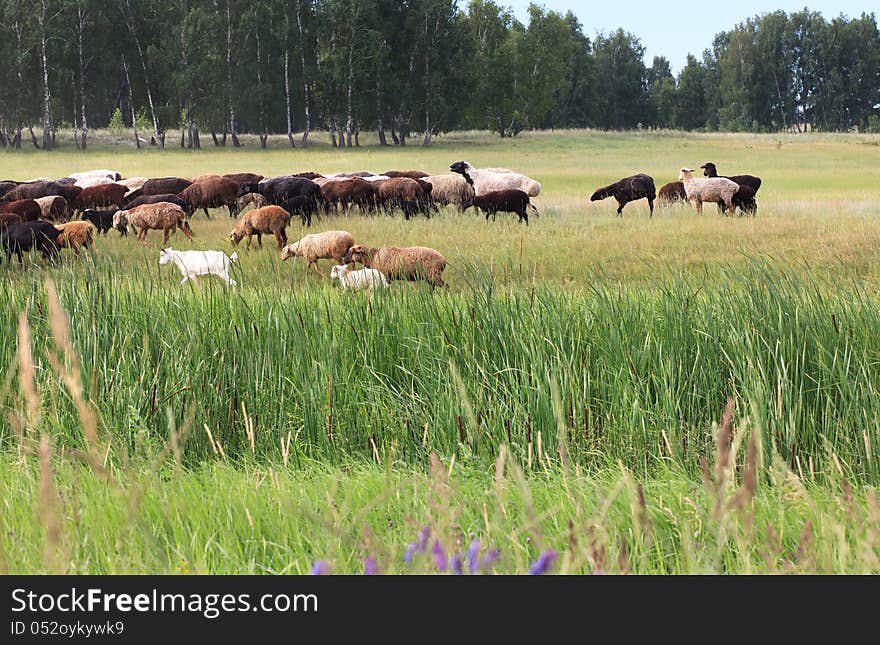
{"x":570,"y":382}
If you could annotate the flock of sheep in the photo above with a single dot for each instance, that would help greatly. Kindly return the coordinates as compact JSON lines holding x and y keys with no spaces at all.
{"x":49,"y":214}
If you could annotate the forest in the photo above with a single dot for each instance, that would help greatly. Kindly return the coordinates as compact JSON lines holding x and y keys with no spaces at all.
{"x":178,"y":71}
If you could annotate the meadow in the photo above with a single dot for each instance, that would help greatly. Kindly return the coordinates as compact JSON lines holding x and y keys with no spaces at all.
{"x":673,"y":394}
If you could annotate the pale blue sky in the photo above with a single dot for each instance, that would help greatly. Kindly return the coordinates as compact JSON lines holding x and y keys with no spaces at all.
{"x":674,"y":29}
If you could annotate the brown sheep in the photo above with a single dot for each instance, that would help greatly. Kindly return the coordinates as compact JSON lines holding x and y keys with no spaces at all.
{"x":211,"y":193}
{"x":102,"y":195}
{"x":268,"y":219}
{"x":401,"y":263}
{"x":316,"y":246}
{"x":671,"y":193}
{"x":163,"y":185}
{"x":412,"y":174}
{"x":250,"y":199}
{"x":53,"y":208}
{"x":163,"y":216}
{"x":350,"y":192}
{"x":511,"y":200}
{"x":33,"y":190}
{"x":403,"y":193}
{"x":242,"y":178}
{"x":205,"y":177}
{"x":75,"y":235}
{"x":28,"y":209}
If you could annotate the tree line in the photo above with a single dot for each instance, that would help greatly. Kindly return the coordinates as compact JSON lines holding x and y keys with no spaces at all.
{"x":408,"y":68}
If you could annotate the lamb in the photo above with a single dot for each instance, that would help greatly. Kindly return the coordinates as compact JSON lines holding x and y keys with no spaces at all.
{"x":196,"y":263}
{"x":163,"y":216}
{"x":211,"y":193}
{"x":356,"y":280}
{"x":302,"y":205}
{"x":714,"y":189}
{"x":75,"y":235}
{"x":268,"y":219}
{"x":53,"y":207}
{"x":251,"y":199}
{"x":451,"y":189}
{"x":505,"y":201}
{"x":316,"y":246}
{"x":671,"y":193}
{"x":627,"y":190}
{"x":102,"y":219}
{"x":484,"y":180}
{"x":401,"y":263}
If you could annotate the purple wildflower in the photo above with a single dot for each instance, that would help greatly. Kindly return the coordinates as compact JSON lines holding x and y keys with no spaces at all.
{"x":457,"y":568}
{"x":473,"y":553}
{"x":542,"y":564}
{"x":439,"y":556}
{"x":489,"y":560}
{"x":371,"y":567}
{"x":410,"y":550}
{"x":321,"y":568}
{"x":424,"y":536}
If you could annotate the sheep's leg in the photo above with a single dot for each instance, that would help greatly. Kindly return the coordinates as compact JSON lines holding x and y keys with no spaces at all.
{"x":620,"y":206}
{"x":314,"y":265}
{"x":205,"y":208}
{"x":248,"y":247}
{"x":260,"y":239}
{"x":651,"y":207}
{"x":166,"y":232}
{"x":698,"y":204}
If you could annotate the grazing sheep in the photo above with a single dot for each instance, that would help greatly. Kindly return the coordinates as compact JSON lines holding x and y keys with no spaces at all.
{"x":205,"y":177}
{"x":709,"y":170}
{"x":268,"y":219}
{"x":19,"y":237}
{"x":155,"y":199}
{"x":403,"y":193}
{"x":164,"y":185}
{"x":401,"y":263}
{"x":628,"y":189}
{"x":75,"y":235}
{"x":504,"y":201}
{"x":100,"y":195}
{"x":352,"y":191}
{"x":163,"y":216}
{"x":251,"y":199}
{"x":671,"y":193}
{"x":28,"y":209}
{"x":53,"y":207}
{"x":102,"y":219}
{"x":317,"y":246}
{"x":715,"y":189}
{"x":277,"y":190}
{"x":196,"y":263}
{"x":356,"y":280}
{"x":484,"y":180}
{"x":744,"y":200}
{"x":451,"y":189}
{"x":211,"y":193}
{"x":302,"y":205}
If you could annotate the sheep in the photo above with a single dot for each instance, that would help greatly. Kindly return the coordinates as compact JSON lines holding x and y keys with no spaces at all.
{"x":100,"y":195}
{"x":412,"y":174}
{"x":163,"y":216}
{"x":89,"y":182}
{"x":6,"y":185}
{"x":401,"y":263}
{"x":505,"y":201}
{"x":356,"y":280}
{"x":251,"y":199}
{"x":133,"y":183}
{"x":102,"y":219}
{"x":671,"y":193}
{"x":277,"y":190}
{"x":403,"y":193}
{"x":9,"y":218}
{"x":268,"y":219}
{"x":42,"y":189}
{"x":347,"y":192}
{"x":28,"y":209}
{"x":316,"y":246}
{"x":628,"y":189}
{"x":19,"y":237}
{"x":164,"y":185}
{"x":75,"y":235}
{"x":196,"y":263}
{"x":709,"y":170}
{"x":713,"y":189}
{"x":112,"y":175}
{"x":155,"y":199}
{"x":451,"y":189}
{"x":484,"y":180}
{"x":744,"y":199}
{"x":53,"y":207}
{"x":244,"y":177}
{"x":211,"y":193}
{"x":302,"y":205}
{"x":205,"y":177}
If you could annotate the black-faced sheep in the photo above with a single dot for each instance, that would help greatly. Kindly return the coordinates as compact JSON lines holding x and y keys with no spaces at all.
{"x":484,"y":180}
{"x":627,"y":190}
{"x":709,"y":170}
{"x":401,"y":263}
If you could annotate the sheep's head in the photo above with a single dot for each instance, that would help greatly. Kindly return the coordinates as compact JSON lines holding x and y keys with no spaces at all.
{"x":338,"y":272}
{"x":685,"y":173}
{"x":461,"y":167}
{"x":120,"y":222}
{"x":357,"y":253}
{"x":244,"y":189}
{"x":709,"y":169}
{"x":290,"y":251}
{"x":600,"y":193}
{"x":165,"y":256}
{"x":235,"y":236}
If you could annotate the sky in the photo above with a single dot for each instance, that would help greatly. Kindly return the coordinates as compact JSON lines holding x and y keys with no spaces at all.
{"x":665,"y":31}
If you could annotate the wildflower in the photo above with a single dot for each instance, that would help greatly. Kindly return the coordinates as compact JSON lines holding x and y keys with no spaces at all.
{"x":439,"y":556}
{"x":473,"y":553}
{"x":371,"y":567}
{"x":410,"y":550}
{"x":489,"y":559}
{"x":424,"y":536}
{"x":321,"y":568}
{"x":542,"y":564}
{"x":457,"y":568}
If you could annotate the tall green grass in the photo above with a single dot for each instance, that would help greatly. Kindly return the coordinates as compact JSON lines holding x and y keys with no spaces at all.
{"x":614,"y":373}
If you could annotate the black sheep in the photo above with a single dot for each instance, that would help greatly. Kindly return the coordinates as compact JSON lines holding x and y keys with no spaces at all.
{"x":627,"y":190}
{"x":19,"y":237}
{"x":278,"y":190}
{"x":155,"y":199}
{"x":102,"y":219}
{"x":302,"y":205}
{"x":709,"y":170}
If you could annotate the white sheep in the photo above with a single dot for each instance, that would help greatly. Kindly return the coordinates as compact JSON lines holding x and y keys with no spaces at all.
{"x":485,"y":180}
{"x":361,"y":279}
{"x":112,"y":175}
{"x":196,"y":263}
{"x":450,"y":189}
{"x":712,"y":189}
{"x":88,"y":182}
